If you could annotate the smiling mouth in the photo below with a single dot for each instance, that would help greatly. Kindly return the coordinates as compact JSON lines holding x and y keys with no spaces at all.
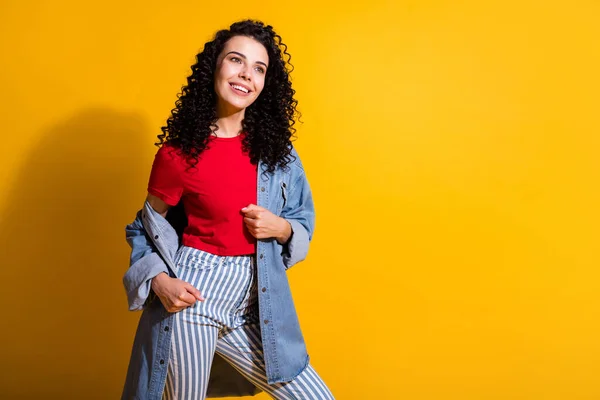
{"x":240,"y":88}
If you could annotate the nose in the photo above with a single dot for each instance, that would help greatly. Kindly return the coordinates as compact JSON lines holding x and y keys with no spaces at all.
{"x":245,"y":73}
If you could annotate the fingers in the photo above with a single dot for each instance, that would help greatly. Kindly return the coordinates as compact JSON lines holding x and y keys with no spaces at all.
{"x":179,"y":302}
{"x":252,"y":214}
{"x":253,"y":227}
{"x":187,"y":298}
{"x":253,"y":211}
{"x":251,"y":222}
{"x":251,"y":206}
{"x":183,"y":295}
{"x":194,"y":292}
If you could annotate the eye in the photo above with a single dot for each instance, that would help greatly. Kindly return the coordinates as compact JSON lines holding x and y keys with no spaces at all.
{"x":234,"y":59}
{"x":260,"y":69}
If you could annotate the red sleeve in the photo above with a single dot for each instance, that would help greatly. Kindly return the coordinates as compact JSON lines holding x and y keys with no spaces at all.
{"x":166,"y":179}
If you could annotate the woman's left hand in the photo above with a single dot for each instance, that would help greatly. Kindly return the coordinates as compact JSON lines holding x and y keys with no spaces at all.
{"x":263,"y":224}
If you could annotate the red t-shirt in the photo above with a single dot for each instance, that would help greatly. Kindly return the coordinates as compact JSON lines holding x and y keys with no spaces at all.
{"x":213,"y":193}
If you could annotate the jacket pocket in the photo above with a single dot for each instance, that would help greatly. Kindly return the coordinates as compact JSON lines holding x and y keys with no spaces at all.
{"x":281,"y":197}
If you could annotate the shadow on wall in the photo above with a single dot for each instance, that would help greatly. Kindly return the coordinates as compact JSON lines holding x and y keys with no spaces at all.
{"x":67,"y":333}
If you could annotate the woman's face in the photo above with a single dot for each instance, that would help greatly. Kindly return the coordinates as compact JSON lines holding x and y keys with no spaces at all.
{"x":240,"y":74}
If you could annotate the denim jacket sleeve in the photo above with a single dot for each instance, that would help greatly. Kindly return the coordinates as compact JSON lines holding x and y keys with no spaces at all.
{"x":300,"y":213}
{"x":144,"y":264}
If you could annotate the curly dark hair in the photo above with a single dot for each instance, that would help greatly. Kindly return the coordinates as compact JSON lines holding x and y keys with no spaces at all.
{"x":268,"y":122}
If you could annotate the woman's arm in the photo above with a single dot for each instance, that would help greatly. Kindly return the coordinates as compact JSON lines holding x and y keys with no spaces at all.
{"x":158,"y":205}
{"x":147,"y":272}
{"x":144,"y":264}
{"x":300,"y":213}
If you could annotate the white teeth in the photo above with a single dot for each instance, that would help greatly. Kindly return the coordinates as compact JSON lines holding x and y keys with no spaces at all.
{"x":243,"y":89}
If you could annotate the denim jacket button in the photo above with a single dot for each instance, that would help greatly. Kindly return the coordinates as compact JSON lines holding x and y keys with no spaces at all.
{"x":166,"y":329}
{"x":156,"y":237}
{"x":262,"y":189}
{"x":261,"y":256}
{"x":266,"y":321}
{"x":162,"y":361}
{"x":264,"y":289}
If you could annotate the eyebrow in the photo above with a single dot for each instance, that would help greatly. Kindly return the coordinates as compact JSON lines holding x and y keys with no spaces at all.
{"x":244,"y":57}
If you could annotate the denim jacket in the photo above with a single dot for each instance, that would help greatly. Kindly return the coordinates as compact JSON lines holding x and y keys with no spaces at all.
{"x":154,"y":241}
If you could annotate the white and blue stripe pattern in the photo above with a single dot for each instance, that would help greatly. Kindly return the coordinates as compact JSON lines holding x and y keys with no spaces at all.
{"x":226,"y":323}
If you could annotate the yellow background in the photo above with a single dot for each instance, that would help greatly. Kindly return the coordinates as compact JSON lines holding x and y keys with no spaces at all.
{"x":452,"y":148}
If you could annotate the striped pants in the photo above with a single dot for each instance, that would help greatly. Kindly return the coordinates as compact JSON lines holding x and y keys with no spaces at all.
{"x":227,"y":323}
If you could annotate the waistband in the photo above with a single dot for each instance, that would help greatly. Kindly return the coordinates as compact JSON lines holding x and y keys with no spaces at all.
{"x":187,"y":255}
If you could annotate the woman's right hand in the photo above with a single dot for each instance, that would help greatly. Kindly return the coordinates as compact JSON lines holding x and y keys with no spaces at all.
{"x":175,"y":294}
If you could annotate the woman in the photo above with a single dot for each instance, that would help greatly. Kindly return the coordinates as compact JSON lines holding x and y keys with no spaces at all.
{"x":220,"y":286}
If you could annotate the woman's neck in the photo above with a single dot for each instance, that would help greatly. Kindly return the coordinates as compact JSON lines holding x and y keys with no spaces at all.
{"x":230,"y":124}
